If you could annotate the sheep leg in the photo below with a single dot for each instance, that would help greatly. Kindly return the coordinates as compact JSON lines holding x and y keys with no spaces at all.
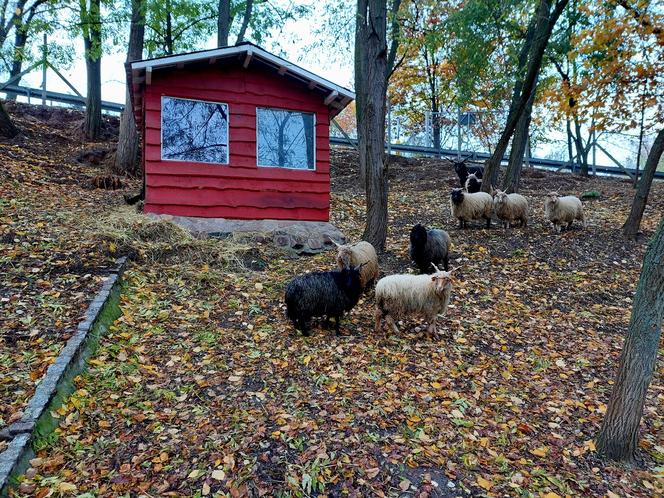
{"x":431,"y":330}
{"x":303,"y":327}
{"x":488,"y":222}
{"x":337,"y":325}
{"x":460,"y":223}
{"x":446,"y":263}
{"x":569,"y":225}
{"x":379,"y":320}
{"x":391,"y":323}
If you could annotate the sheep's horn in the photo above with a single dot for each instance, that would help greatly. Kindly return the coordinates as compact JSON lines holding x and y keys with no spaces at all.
{"x":435,"y":267}
{"x":457,"y":268}
{"x":335,"y":242}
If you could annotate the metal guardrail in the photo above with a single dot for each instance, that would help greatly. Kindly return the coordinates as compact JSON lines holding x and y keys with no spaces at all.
{"x":63,"y":98}
{"x":539,"y":162}
{"x":453,"y":153}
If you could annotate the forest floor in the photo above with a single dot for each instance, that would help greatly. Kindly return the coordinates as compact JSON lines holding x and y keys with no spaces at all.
{"x":201,"y":387}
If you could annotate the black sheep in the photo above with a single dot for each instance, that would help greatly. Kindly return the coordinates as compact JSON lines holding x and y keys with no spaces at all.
{"x":473,"y":184}
{"x":325,"y":293}
{"x":429,"y":246}
{"x":463,"y":171}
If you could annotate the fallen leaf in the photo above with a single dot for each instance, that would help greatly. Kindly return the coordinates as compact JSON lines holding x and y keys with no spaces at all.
{"x":484,"y":483}
{"x":542,"y":451}
{"x":195,"y":474}
{"x":66,"y":487}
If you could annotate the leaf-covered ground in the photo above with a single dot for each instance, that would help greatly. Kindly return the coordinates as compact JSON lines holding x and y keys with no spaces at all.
{"x":49,"y":266}
{"x":202,"y":387}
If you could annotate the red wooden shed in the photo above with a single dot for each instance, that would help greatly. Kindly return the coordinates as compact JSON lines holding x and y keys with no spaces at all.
{"x":235,"y":132}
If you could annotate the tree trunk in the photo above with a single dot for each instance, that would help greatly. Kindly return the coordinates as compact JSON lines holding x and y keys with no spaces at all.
{"x":224,"y":21}
{"x":359,"y":82}
{"x":91,"y":21}
{"x":544,"y":23}
{"x":519,"y":143}
{"x":430,"y":64}
{"x":93,"y":100}
{"x":245,"y":21}
{"x":16,"y":17}
{"x":569,"y":142}
{"x":581,"y":151}
{"x":395,"y":33}
{"x":522,"y":62}
{"x":170,"y":48}
{"x":631,"y":226}
{"x":638,"y":152}
{"x":20,"y":39}
{"x":7,"y":128}
{"x":435,"y":124}
{"x":22,"y":22}
{"x":371,"y":81}
{"x":436,"y":133}
{"x":618,"y":436}
{"x":127,"y":156}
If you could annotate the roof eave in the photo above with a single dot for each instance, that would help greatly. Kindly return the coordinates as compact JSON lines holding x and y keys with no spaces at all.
{"x":284,"y":67}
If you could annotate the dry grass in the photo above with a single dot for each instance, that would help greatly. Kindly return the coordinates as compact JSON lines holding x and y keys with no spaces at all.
{"x":144,"y":239}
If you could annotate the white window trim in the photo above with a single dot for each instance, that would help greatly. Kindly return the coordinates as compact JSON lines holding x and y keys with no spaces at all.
{"x":161,"y":131}
{"x":314,"y":135}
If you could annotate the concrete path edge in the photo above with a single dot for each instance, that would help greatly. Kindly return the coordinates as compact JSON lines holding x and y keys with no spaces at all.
{"x":55,"y":385}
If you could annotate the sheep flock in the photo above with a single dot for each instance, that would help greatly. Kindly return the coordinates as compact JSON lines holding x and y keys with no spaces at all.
{"x":331,"y":294}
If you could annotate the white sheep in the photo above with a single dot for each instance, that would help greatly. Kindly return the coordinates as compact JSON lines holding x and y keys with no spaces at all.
{"x":560,"y":210}
{"x":510,"y":207}
{"x":361,"y":254}
{"x":466,"y":207}
{"x":398,"y":295}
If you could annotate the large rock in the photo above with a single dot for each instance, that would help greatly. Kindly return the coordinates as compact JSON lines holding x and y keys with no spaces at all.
{"x":300,"y":237}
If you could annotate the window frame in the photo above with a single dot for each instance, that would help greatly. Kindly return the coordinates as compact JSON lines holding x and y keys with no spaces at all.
{"x":161,"y":131}
{"x":315,"y":166}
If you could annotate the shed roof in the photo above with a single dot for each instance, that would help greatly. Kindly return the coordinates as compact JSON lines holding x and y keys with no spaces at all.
{"x":139,"y":73}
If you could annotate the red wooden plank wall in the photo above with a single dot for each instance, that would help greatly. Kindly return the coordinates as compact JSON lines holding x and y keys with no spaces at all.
{"x":240,"y":189}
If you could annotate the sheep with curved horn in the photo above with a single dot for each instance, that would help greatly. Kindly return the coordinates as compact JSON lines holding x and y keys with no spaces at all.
{"x":402,"y":294}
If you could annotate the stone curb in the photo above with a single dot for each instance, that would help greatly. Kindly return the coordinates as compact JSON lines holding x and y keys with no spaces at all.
{"x":20,"y":433}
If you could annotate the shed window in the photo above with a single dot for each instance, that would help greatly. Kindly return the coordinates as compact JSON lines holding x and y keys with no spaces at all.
{"x":194,"y":130}
{"x":285,"y":139}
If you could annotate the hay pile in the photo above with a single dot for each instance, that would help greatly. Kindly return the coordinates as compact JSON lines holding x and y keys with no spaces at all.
{"x":126,"y":232}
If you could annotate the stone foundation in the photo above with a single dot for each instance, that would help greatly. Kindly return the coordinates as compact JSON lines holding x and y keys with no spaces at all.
{"x":300,"y":237}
